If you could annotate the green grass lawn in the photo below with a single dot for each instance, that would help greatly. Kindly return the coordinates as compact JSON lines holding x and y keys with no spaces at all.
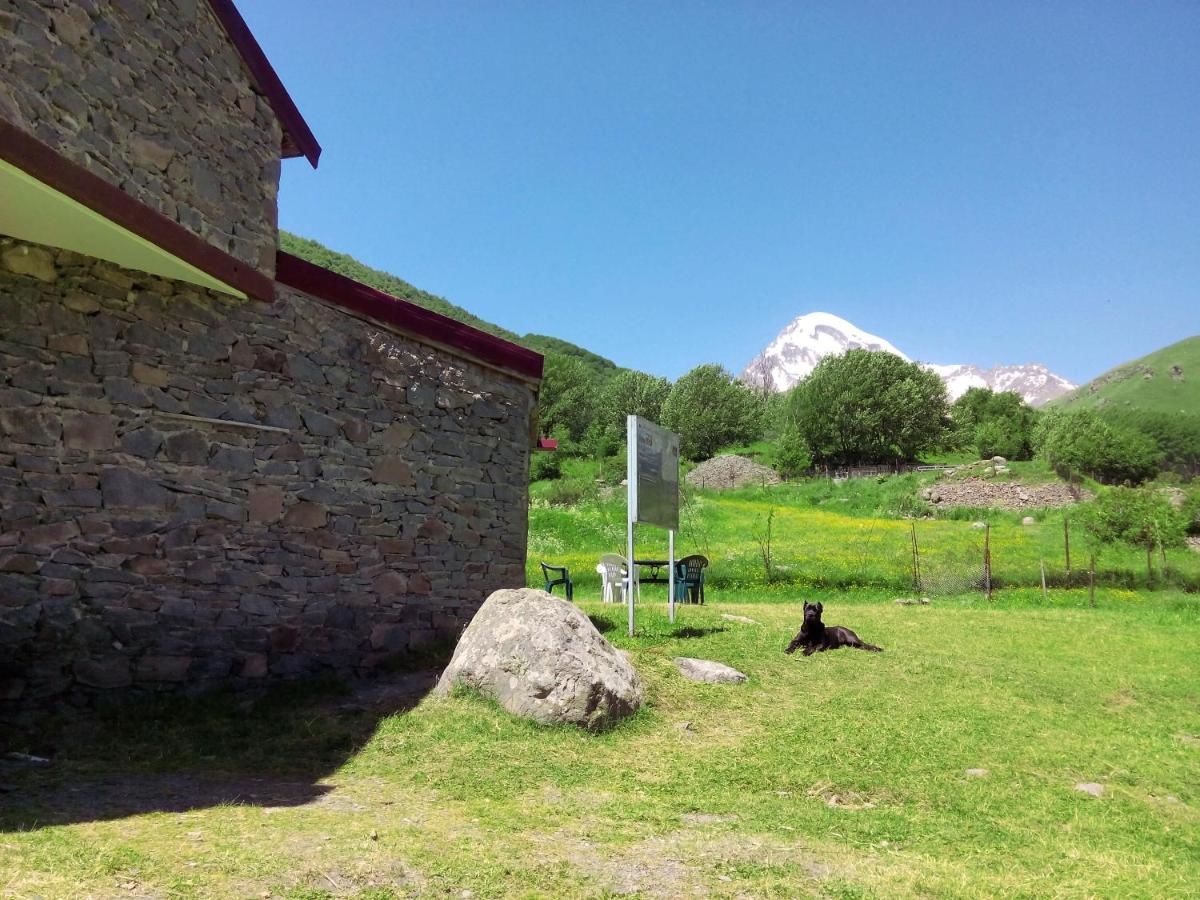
{"x":840,"y":775}
{"x":849,"y":535}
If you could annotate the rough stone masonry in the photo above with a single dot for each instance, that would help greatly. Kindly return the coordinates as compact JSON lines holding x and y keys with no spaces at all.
{"x":150,"y":96}
{"x":361,"y":497}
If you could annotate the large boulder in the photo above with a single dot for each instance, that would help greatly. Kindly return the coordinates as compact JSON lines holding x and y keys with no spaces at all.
{"x":541,"y":658}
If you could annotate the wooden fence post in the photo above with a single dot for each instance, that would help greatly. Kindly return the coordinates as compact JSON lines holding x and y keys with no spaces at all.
{"x":1044,"y":597}
{"x":916,"y":559}
{"x":987,"y":560}
{"x":1067,"y":545}
{"x":1092,"y":582}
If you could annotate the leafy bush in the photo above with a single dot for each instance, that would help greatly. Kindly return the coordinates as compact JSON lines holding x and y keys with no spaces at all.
{"x":545,"y":466}
{"x":1082,"y":441}
{"x":1177,"y":435}
{"x":568,"y":491}
{"x":1141,"y":517}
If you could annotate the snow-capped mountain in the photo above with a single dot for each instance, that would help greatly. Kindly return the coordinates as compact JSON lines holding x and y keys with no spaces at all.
{"x":797,"y":349}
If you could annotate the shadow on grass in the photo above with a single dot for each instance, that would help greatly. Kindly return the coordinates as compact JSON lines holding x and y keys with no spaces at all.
{"x":687,"y":631}
{"x":602,"y":625}
{"x":175,"y":754}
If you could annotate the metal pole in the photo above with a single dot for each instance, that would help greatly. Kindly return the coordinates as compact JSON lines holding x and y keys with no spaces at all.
{"x":1043,"y":565}
{"x":631,"y":511}
{"x":671,"y":576}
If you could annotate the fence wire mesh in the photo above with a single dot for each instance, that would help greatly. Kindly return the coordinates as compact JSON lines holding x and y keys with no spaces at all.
{"x":950,"y":558}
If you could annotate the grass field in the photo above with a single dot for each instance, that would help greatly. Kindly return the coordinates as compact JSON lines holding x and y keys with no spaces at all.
{"x":946,"y":766}
{"x":841,"y":775}
{"x":849,"y":535}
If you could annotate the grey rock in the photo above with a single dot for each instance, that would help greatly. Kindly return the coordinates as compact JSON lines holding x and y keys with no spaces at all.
{"x":745,"y":620}
{"x":125,"y":488}
{"x":708,"y":671}
{"x":1091,"y":788}
{"x":541,"y":658}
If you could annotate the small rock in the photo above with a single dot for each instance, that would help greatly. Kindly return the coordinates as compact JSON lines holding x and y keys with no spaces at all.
{"x":1090,"y":787}
{"x":707,"y":671}
{"x":977,"y":773}
{"x":32,"y":261}
{"x":979,"y":524}
{"x":1029,"y":520}
{"x":743,"y":619}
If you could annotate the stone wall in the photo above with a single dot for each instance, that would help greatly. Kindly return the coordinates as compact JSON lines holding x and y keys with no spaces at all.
{"x":151,"y":96}
{"x":375,"y":499}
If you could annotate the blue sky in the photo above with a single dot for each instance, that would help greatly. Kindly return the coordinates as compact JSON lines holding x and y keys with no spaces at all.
{"x":669,"y":184}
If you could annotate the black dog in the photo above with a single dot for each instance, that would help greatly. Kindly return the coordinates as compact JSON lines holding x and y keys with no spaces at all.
{"x":814,"y":635}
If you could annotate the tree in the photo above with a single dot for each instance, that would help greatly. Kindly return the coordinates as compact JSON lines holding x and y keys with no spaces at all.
{"x":1142,"y":517}
{"x":759,"y":377}
{"x":792,"y":456}
{"x":993,"y":423}
{"x":568,"y":396}
{"x":709,"y":410}
{"x":632,"y":393}
{"x":1080,"y":440}
{"x":869,"y":406}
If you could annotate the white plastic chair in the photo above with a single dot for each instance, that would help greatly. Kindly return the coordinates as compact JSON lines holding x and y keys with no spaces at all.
{"x":612,"y":577}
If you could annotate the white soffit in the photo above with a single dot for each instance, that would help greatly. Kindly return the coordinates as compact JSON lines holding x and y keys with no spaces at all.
{"x":31,"y":211}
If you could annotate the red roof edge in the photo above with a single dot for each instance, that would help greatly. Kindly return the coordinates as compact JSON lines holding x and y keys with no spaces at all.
{"x":298,"y":139}
{"x":51,"y":168}
{"x":545,"y":443}
{"x":409,"y":317}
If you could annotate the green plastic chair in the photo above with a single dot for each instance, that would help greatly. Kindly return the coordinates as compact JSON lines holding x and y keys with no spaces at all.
{"x":689,"y":579}
{"x":561,"y":576}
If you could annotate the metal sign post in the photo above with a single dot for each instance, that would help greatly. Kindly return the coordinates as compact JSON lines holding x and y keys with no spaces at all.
{"x":671,"y":577}
{"x":631,"y":513}
{"x":652,"y":463}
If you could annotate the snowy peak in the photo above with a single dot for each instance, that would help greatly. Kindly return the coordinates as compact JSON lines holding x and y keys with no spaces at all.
{"x":1034,"y":382}
{"x":797,"y":349}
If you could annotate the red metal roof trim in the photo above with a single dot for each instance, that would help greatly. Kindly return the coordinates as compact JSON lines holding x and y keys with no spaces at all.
{"x":417,"y":320}
{"x":546,"y":443}
{"x":51,"y":168}
{"x":298,"y":139}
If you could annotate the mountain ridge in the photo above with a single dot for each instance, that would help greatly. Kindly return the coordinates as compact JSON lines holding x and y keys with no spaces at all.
{"x":1164,"y":380}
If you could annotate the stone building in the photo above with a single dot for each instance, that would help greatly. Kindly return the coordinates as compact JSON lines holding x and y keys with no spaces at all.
{"x":218,"y":462}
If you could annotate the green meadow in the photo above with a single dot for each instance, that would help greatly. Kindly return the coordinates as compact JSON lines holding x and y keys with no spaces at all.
{"x":949,"y":765}
{"x":853,"y":535}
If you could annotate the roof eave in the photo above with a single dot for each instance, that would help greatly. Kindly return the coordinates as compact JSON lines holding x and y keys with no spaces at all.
{"x":298,"y":139}
{"x":417,"y":321}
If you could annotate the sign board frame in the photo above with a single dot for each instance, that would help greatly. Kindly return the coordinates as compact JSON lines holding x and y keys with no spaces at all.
{"x":652,"y":496}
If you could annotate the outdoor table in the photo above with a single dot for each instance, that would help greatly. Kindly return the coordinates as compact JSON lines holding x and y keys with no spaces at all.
{"x":655,"y":566}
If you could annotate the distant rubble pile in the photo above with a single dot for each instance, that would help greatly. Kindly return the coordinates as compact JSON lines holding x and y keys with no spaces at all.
{"x":1003,"y":494}
{"x":730,"y":471}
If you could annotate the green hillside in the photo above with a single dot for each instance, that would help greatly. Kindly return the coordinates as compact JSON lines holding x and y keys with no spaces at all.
{"x":1166,"y":381}
{"x":343,"y":264}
